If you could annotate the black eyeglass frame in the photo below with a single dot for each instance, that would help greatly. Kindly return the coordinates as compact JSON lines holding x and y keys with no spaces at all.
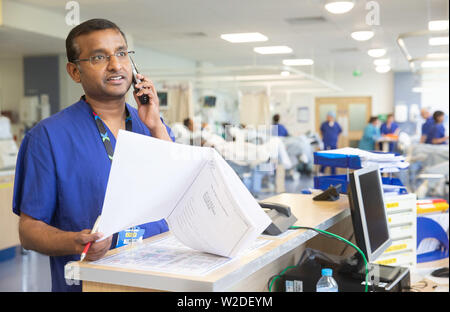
{"x":106,"y":56}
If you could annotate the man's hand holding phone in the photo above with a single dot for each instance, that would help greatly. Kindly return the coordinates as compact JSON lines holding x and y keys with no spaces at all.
{"x":149,"y":113}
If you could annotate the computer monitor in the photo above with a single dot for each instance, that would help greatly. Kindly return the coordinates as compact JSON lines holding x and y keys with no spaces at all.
{"x":368,"y":212}
{"x":209,"y":101}
{"x":162,"y":96}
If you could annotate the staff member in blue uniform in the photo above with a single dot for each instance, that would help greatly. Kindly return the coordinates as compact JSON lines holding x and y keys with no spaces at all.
{"x":64,"y":161}
{"x":389,"y":127}
{"x":371,"y":135}
{"x":279,"y":129}
{"x":427,"y":125}
{"x":437,"y":132}
{"x":330,"y":131}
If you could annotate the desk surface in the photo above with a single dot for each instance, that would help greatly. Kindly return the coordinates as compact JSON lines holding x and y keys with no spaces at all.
{"x":321,"y":215}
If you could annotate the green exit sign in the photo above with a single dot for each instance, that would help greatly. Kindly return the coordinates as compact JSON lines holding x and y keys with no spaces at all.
{"x":357,"y":73}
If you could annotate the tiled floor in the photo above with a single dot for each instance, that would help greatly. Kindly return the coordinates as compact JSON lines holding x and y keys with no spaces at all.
{"x":31,"y":271}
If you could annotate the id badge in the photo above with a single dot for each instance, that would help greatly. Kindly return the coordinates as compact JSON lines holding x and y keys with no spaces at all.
{"x":125,"y":237}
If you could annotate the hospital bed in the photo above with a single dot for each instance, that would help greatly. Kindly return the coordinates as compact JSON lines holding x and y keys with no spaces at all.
{"x":429,"y":166}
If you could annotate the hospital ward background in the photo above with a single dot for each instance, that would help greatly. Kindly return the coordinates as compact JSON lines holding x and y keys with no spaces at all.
{"x":295,"y":96}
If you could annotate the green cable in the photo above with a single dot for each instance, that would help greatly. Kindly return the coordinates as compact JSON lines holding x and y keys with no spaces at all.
{"x":278,"y":276}
{"x":335,"y":236}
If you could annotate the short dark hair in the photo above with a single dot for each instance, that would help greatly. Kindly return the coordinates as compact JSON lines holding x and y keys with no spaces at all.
{"x":372,"y":119}
{"x":72,"y":50}
{"x":186,"y":122}
{"x":276,"y":118}
{"x":437,"y":114}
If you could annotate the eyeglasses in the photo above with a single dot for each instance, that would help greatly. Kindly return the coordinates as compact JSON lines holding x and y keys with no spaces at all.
{"x":102,"y":59}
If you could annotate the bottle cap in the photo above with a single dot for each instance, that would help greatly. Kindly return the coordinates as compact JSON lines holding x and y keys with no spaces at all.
{"x":327,"y":272}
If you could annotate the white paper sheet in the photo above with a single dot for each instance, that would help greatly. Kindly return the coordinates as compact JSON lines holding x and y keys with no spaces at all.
{"x":147,"y":178}
{"x":192,"y":187}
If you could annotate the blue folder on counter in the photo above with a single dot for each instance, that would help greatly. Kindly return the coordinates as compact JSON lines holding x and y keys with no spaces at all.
{"x":349,"y":162}
{"x":337,"y":160}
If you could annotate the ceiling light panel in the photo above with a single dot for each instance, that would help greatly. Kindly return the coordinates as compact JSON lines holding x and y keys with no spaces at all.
{"x":383,"y":69}
{"x":339,"y":7}
{"x":362,"y":35}
{"x":376,"y":52}
{"x":273,"y":50}
{"x":438,"y":25}
{"x":382,"y":62}
{"x":244,"y":37}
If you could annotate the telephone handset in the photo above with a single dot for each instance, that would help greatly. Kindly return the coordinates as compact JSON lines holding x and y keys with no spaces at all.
{"x":144,"y":97}
{"x":281,"y":217}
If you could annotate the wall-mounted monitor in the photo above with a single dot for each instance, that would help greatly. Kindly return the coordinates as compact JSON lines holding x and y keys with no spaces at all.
{"x":209,"y":101}
{"x":163,"y":103}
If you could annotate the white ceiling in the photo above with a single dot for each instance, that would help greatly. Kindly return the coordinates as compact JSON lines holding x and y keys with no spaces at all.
{"x":15,"y":42}
{"x":165,"y":25}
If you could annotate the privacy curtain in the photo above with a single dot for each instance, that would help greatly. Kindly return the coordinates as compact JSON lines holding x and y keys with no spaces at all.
{"x":254,"y":109}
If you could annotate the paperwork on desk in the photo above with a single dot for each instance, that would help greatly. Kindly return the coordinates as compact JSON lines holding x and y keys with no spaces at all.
{"x":387,"y":162}
{"x":168,"y":255}
{"x":205,"y":204}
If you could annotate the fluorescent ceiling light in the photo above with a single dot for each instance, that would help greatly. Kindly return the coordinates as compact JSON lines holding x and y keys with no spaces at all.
{"x":285,"y":73}
{"x":339,"y":7}
{"x":383,"y":69}
{"x":382,"y":62}
{"x":298,"y":62}
{"x":434,"y":64}
{"x":273,"y":50}
{"x":438,"y":25}
{"x":362,"y":35}
{"x":244,"y":37}
{"x":376,"y":52}
{"x":438,"y":41}
{"x":437,"y":55}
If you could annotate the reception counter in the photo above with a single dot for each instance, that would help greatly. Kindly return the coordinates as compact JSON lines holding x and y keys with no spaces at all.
{"x":249,"y":272}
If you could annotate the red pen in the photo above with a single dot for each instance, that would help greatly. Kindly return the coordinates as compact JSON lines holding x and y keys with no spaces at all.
{"x":86,"y":248}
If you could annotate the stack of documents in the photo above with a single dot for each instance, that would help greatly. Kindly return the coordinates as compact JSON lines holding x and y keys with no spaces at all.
{"x":205,"y":204}
{"x":387,"y":162}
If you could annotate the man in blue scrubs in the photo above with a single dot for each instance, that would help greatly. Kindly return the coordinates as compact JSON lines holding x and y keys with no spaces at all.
{"x":330,"y":131}
{"x":64,"y":161}
{"x":279,"y":129}
{"x":389,"y":127}
{"x":426,"y":127}
{"x":436,"y":134}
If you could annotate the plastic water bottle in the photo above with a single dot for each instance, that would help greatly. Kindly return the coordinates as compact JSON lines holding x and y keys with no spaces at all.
{"x":327,"y":283}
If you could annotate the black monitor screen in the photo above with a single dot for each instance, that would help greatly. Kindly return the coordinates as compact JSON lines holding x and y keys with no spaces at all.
{"x":372,"y":197}
{"x":210,"y":101}
{"x":162,"y":96}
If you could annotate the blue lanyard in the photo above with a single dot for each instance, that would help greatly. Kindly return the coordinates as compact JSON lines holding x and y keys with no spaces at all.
{"x":104,"y":133}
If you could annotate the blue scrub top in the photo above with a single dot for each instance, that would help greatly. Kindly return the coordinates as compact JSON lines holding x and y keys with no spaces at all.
{"x":436,"y":132}
{"x":280,"y":130}
{"x":61,"y":176}
{"x":426,"y":127}
{"x":371,"y":134}
{"x":384,"y":129}
{"x":330,"y":134}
